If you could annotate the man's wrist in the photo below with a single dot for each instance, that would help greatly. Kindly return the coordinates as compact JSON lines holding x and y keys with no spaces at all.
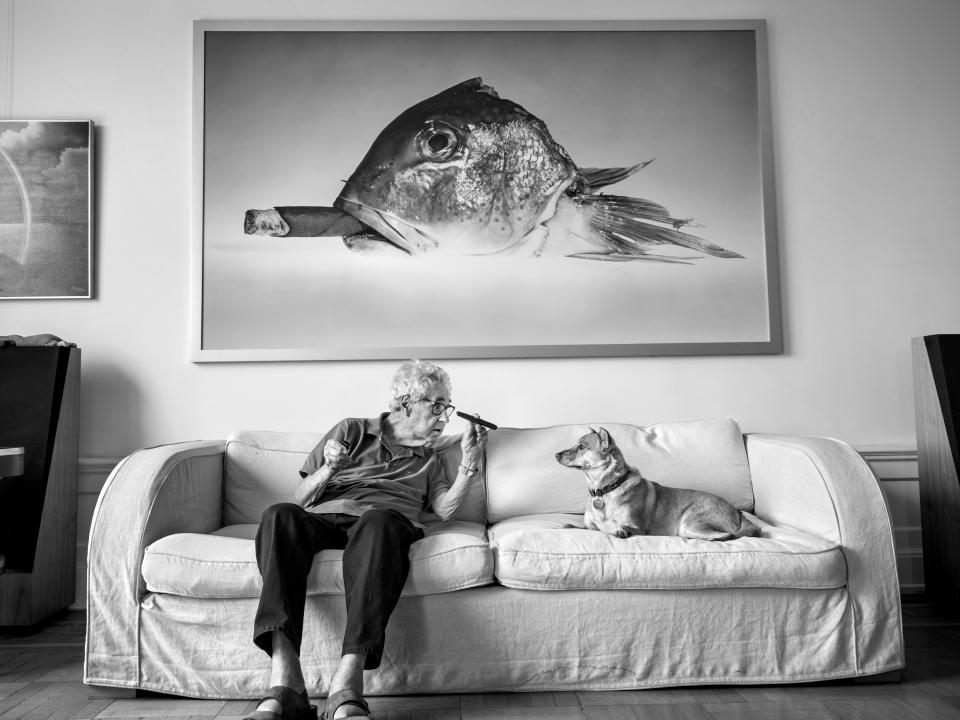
{"x":464,"y":468}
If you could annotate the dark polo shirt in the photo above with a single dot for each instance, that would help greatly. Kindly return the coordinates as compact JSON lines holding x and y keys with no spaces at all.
{"x":381,"y":474}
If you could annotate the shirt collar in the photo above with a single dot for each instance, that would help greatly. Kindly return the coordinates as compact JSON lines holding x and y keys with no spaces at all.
{"x":374,"y":426}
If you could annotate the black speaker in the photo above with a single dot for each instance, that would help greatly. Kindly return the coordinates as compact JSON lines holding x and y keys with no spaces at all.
{"x":32,"y":381}
{"x":936,"y":372}
{"x":39,"y":411}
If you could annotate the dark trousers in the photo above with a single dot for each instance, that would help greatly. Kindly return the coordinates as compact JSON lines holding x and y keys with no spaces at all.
{"x":375,"y":566}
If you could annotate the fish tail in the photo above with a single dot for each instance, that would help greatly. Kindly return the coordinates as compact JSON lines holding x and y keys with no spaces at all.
{"x":633,"y":226}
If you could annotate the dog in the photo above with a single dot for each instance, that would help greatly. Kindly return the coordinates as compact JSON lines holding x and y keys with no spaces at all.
{"x":625,"y":503}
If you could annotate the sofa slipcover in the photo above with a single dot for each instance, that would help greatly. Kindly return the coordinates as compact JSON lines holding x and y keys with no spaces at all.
{"x":814,"y":618}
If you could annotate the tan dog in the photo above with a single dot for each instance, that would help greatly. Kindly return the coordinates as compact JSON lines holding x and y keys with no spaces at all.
{"x":625,"y":503}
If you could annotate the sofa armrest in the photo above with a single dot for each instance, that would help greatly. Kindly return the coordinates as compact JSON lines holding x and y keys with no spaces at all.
{"x":150,"y":494}
{"x":824,"y":487}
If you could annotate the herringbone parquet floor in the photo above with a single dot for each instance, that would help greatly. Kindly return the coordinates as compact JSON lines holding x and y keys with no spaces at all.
{"x":40,"y":679}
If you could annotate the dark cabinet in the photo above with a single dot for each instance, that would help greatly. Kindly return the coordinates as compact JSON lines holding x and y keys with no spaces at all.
{"x":936,"y":373}
{"x":39,"y":411}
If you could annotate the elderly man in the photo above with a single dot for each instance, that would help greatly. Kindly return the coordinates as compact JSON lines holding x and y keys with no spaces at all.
{"x":363,"y":490}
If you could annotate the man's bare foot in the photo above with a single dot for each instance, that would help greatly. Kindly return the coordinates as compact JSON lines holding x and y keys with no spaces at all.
{"x":296,"y":702}
{"x":270,"y":705}
{"x":349,"y":710}
{"x":349,"y":675}
{"x":284,"y":670}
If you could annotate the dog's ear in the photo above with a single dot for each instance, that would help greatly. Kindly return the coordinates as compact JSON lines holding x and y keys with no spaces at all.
{"x":604,"y":438}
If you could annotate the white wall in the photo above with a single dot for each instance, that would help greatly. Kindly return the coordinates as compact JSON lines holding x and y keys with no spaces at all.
{"x":865,"y":118}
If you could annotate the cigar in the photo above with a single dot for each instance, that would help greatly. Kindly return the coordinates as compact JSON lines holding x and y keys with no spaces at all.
{"x":479,"y":421}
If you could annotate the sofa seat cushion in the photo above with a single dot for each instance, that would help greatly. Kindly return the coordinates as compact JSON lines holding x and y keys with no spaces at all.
{"x":555,"y":552}
{"x":223,"y":564}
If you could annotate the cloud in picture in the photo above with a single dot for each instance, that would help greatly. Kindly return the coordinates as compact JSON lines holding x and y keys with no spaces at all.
{"x":52,"y":162}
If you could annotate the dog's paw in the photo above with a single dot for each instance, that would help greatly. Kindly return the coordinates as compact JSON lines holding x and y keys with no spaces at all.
{"x":622,"y":533}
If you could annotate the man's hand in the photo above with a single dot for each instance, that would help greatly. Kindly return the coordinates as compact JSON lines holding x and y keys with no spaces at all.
{"x":335,"y":456}
{"x":472,"y":443}
{"x":445,"y":502}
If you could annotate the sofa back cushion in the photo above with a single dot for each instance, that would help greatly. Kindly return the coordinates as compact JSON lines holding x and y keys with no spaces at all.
{"x":524,"y":478}
{"x":263,"y":467}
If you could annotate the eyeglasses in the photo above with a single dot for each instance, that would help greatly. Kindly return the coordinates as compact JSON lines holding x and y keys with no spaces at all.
{"x":439,"y":407}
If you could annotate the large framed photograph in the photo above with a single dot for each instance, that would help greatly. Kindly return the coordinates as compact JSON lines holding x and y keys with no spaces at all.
{"x":474,"y":190}
{"x":46,"y":209}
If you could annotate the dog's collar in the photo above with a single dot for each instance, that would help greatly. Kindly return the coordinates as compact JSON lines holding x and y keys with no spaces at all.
{"x":608,"y":488}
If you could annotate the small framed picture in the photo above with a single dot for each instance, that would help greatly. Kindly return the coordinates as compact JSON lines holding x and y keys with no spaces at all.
{"x":46,"y":209}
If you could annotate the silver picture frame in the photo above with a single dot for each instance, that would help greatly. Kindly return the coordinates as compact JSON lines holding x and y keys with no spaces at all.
{"x":46,"y":209}
{"x":284,"y":112}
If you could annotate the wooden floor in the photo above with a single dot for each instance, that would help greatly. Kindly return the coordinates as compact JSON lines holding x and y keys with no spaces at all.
{"x":40,"y":679}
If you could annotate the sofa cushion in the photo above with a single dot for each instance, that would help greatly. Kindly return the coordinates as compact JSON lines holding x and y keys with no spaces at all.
{"x":262,"y":468}
{"x":556,"y":552}
{"x":524,"y":478}
{"x":223,"y":564}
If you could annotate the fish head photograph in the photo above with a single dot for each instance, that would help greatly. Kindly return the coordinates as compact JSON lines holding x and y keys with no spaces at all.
{"x":545,"y":171}
{"x":468,"y":173}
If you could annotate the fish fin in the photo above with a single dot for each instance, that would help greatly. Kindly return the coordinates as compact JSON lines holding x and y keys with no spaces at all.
{"x":626,"y":225}
{"x":475,"y":84}
{"x":626,"y":257}
{"x":596,"y":178}
{"x":614,"y":209}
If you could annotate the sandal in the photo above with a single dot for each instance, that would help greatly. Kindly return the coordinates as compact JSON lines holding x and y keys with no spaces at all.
{"x":293,"y":706}
{"x":345,"y":697}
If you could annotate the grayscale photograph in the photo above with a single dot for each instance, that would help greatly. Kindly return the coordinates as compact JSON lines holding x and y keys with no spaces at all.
{"x":466,"y":162}
{"x":45,"y":209}
{"x":527,"y":360}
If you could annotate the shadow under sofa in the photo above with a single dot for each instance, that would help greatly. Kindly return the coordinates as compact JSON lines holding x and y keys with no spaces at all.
{"x":513,"y":594}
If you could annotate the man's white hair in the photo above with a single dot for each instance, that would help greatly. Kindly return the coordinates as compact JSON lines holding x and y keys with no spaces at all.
{"x":415,"y":379}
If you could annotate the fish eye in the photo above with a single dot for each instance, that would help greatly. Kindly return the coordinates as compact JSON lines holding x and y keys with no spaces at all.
{"x":438,"y":141}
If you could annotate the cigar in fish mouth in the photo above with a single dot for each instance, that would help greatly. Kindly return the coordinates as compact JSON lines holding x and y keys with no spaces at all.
{"x":299,"y":221}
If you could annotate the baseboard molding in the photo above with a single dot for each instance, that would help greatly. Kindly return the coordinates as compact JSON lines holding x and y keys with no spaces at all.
{"x":895,"y":467}
{"x":93,"y":473}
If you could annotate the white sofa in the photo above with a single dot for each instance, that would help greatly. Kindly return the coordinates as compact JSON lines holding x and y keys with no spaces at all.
{"x":508,"y":596}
